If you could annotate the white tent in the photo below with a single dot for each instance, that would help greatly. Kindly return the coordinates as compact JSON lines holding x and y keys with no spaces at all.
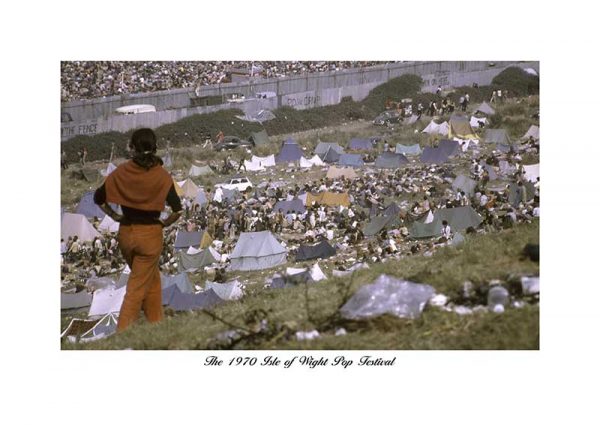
{"x":108,"y":225}
{"x":199,"y":171}
{"x":253,"y":166}
{"x":433,"y":128}
{"x":265,"y":161}
{"x":315,"y":160}
{"x":534,"y":131}
{"x":532,"y":172}
{"x":107,"y":300}
{"x":257,"y":251}
{"x":226,"y":291}
{"x":315,"y":272}
{"x":77,"y":225}
{"x":475,"y":121}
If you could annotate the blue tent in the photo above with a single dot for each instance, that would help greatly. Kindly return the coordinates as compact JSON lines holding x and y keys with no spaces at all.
{"x":289,"y":153}
{"x":88,"y":208}
{"x":434,"y":156}
{"x":295,"y":205}
{"x":451,"y":147}
{"x":390,"y":160}
{"x":179,"y":301}
{"x":351,"y":160}
{"x":360,"y":144}
{"x":331,"y":156}
{"x":323,"y":147}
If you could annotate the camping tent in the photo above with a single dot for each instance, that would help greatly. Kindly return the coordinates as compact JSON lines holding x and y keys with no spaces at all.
{"x":331,"y":156}
{"x":257,"y":251}
{"x":189,"y":188}
{"x":486,"y":109}
{"x":199,"y":260}
{"x":360,"y":145}
{"x":378,"y":223}
{"x":77,"y":300}
{"x":460,"y":127}
{"x":108,"y":225}
{"x":433,"y":128}
{"x":315,"y":160}
{"x":264,"y":161}
{"x":179,"y":301}
{"x":295,"y":205}
{"x":180,"y":280}
{"x":390,"y":160}
{"x":109,"y":169}
{"x":196,"y":239}
{"x":77,"y":225}
{"x":200,"y":171}
{"x":260,"y":138}
{"x":476,"y":121}
{"x":289,"y":152}
{"x":336,"y":173}
{"x":408,"y":150}
{"x":450,"y":147}
{"x":534,"y":131}
{"x":253,"y":166}
{"x":330,"y":199}
{"x":515,"y":196}
{"x":107,"y":300}
{"x":310,"y":252}
{"x":497,"y":135}
{"x":465,"y":184}
{"x":88,"y":207}
{"x":434,"y":155}
{"x":532,"y":172}
{"x":226,"y":291}
{"x":323,"y":147}
{"x":201,"y":198}
{"x":351,"y":160}
{"x":459,"y":218}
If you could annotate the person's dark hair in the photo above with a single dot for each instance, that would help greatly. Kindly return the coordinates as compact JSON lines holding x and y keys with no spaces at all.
{"x":143,"y":144}
{"x":444,"y":222}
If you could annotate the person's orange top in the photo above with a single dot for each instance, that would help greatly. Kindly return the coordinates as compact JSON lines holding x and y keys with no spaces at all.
{"x":135,"y":187}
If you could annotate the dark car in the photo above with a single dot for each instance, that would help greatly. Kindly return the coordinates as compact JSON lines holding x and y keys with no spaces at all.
{"x":232,"y":142}
{"x":387,"y":118}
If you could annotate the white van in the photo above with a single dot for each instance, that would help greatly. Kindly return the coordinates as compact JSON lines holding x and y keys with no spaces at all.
{"x":135,"y":109}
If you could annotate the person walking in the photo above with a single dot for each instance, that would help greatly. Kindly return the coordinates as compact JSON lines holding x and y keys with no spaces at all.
{"x":141,"y":186}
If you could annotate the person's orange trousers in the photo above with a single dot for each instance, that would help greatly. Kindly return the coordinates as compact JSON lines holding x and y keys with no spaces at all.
{"x":141,"y":246}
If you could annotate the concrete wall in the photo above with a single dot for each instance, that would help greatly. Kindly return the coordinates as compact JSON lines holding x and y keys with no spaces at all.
{"x":302,"y":92}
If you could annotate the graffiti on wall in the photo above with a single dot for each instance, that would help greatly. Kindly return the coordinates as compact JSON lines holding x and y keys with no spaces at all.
{"x":68,"y":131}
{"x":440,"y":78}
{"x":306,"y":101}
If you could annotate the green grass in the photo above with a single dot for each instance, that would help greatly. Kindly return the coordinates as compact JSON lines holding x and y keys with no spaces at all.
{"x":481,"y":259}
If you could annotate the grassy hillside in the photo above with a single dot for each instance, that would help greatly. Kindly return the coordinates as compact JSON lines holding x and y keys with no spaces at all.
{"x":284,"y":311}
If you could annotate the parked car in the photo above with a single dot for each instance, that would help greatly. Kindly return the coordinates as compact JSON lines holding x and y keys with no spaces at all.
{"x":387,"y":118}
{"x":239,"y":183}
{"x":232,"y":142}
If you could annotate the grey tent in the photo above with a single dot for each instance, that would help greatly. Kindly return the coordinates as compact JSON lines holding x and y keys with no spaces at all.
{"x":360,"y":145}
{"x":77,"y":300}
{"x":465,"y":184}
{"x":490,"y":169}
{"x":379,"y":223}
{"x":201,"y":198}
{"x":449,"y":147}
{"x":310,"y":252}
{"x":179,"y":301}
{"x":186,"y":239}
{"x":295,"y":205}
{"x":260,"y":138}
{"x":497,"y":135}
{"x":390,"y":160}
{"x":392,"y":209}
{"x":351,"y":160}
{"x":181,"y":281}
{"x":230,"y":195}
{"x":289,"y":152}
{"x":88,"y":208}
{"x":485,"y":109}
{"x":187,"y":261}
{"x":459,"y":218}
{"x":534,"y":131}
{"x":257,"y":251}
{"x":434,"y":156}
{"x":515,"y":193}
{"x":331,"y":156}
{"x":323,"y":147}
{"x":204,"y":170}
{"x":90,"y":174}
{"x":408,"y":150}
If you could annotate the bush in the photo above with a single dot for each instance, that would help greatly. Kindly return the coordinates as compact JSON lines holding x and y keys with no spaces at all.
{"x":517,"y":82}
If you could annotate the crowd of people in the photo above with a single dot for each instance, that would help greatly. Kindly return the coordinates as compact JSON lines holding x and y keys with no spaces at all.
{"x":419,"y":189}
{"x":94,"y":79}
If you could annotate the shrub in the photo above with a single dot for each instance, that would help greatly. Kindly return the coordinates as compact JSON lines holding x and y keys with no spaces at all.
{"x":517,"y":81}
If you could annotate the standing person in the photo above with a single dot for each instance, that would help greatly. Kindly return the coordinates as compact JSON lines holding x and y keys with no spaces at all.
{"x":419,"y":111}
{"x":141,"y":186}
{"x":446,"y":230}
{"x":112,"y":152}
{"x":499,"y":96}
{"x":493,"y":98}
{"x":83,"y":156}
{"x":63,"y":160}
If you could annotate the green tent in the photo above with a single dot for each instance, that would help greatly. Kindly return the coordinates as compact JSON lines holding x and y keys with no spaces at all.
{"x":498,"y":136}
{"x":465,"y":184}
{"x":260,"y":138}
{"x":459,"y":218}
{"x":514,"y":193}
{"x":378,"y":223}
{"x":187,"y":261}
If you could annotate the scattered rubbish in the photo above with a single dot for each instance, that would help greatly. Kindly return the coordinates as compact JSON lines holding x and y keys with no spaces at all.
{"x":340,"y":332}
{"x":438,"y":300}
{"x":498,"y":298}
{"x":531,"y":285}
{"x":307,"y":336}
{"x":94,"y":283}
{"x":462,"y":310}
{"x":388,"y":295}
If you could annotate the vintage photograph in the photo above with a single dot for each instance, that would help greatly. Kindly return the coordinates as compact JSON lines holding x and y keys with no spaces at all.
{"x":300,"y":205}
